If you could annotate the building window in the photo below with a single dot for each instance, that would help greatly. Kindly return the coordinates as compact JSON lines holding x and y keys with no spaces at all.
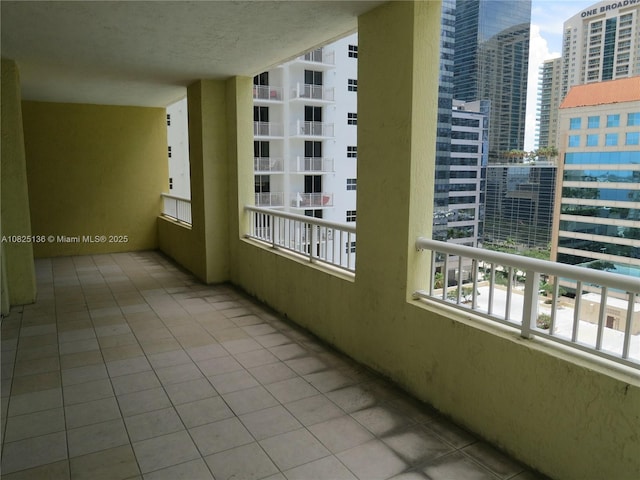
{"x":633,"y":119}
{"x":352,"y":118}
{"x":594,"y":122}
{"x":352,"y":152}
{"x":353,"y":51}
{"x":611,"y":139}
{"x":633,"y":138}
{"x":350,"y":247}
{"x":592,"y":140}
{"x":351,"y":215}
{"x":352,"y":85}
{"x":351,"y":183}
{"x":613,"y":120}
{"x":574,"y":140}
{"x":574,"y":123}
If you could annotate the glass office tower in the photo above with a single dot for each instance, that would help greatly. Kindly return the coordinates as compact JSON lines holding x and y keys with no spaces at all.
{"x":491,"y":62}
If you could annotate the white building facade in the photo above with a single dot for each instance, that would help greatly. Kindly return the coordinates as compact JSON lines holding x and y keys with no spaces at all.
{"x":305,"y":133}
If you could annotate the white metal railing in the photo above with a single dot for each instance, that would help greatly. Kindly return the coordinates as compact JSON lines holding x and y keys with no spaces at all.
{"x":267,"y":129}
{"x":316,"y":239}
{"x":177,"y":208}
{"x":314,"y":129}
{"x":312,"y":92}
{"x":603,"y":319}
{"x":268,"y":164}
{"x":267,"y":92}
{"x":270,"y":199}
{"x":311,"y":164}
{"x":311,"y":200}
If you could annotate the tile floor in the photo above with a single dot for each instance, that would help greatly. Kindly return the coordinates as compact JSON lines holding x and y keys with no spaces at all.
{"x":128,"y":368}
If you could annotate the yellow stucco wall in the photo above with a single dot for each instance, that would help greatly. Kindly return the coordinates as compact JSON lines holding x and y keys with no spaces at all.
{"x":18,"y":274}
{"x":95,"y":170}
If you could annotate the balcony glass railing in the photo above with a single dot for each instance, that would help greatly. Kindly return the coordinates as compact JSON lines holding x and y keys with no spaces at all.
{"x":269,"y":199}
{"x":267,"y":92}
{"x":311,"y":164}
{"x":312,"y":129}
{"x":176,"y":208}
{"x":311,"y":200}
{"x":312,"y":92}
{"x":315,"y":239}
{"x":268,"y":164}
{"x":320,"y":55}
{"x":590,"y":310}
{"x":267,"y":129}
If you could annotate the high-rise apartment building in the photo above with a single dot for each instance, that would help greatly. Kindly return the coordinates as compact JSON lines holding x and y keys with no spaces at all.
{"x":548,"y":103}
{"x":598,"y":211}
{"x":305,"y":133}
{"x":600,"y":43}
{"x":491,"y":63}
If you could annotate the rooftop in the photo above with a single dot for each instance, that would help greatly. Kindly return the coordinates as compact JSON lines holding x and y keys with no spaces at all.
{"x":603,"y":93}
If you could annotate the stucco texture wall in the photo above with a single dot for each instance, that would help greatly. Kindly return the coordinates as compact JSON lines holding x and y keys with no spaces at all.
{"x":95,"y":170}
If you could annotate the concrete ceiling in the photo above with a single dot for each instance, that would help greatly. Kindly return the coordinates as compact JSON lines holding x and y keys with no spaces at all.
{"x":146,"y":52}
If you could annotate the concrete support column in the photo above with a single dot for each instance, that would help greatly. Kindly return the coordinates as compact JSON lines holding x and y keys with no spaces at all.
{"x":18,"y":273}
{"x":208,"y":156}
{"x":240,"y":155}
{"x":397,"y":106}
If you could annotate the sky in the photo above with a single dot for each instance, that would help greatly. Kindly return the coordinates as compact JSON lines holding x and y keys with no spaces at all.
{"x":547,"y":19}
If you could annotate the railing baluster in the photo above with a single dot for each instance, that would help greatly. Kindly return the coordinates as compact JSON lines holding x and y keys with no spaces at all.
{"x":554,"y":306}
{"x":627,"y":327}
{"x":601,"y":316}
{"x":507,"y":308}
{"x":492,"y":285}
{"x":576,"y":312}
{"x":530,"y":307}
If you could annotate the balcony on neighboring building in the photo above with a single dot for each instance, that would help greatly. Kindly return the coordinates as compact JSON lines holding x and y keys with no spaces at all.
{"x":269,"y":199}
{"x":312,"y":94}
{"x":312,"y":129}
{"x":267,"y":130}
{"x":267,"y":93}
{"x":311,"y":165}
{"x":320,"y":57}
{"x":311,"y":200}
{"x":268,"y":165}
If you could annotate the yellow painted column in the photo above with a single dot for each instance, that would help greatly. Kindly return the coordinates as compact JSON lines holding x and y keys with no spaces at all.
{"x":209,"y":178}
{"x":397,"y":106}
{"x":19,"y":281}
{"x":240,"y":153}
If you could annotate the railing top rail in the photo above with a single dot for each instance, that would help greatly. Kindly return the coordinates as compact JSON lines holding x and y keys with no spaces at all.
{"x":303,"y":218}
{"x":175,"y":197}
{"x":586,"y":275}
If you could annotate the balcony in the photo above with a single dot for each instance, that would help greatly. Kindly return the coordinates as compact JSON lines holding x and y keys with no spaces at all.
{"x":312,"y":94}
{"x":304,"y":129}
{"x":270,"y":199}
{"x":267,"y":93}
{"x":320,"y":57}
{"x":100,"y":334}
{"x":210,"y":378}
{"x":311,"y":165}
{"x":268,"y":165}
{"x":267,"y":130}
{"x":311,"y":200}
